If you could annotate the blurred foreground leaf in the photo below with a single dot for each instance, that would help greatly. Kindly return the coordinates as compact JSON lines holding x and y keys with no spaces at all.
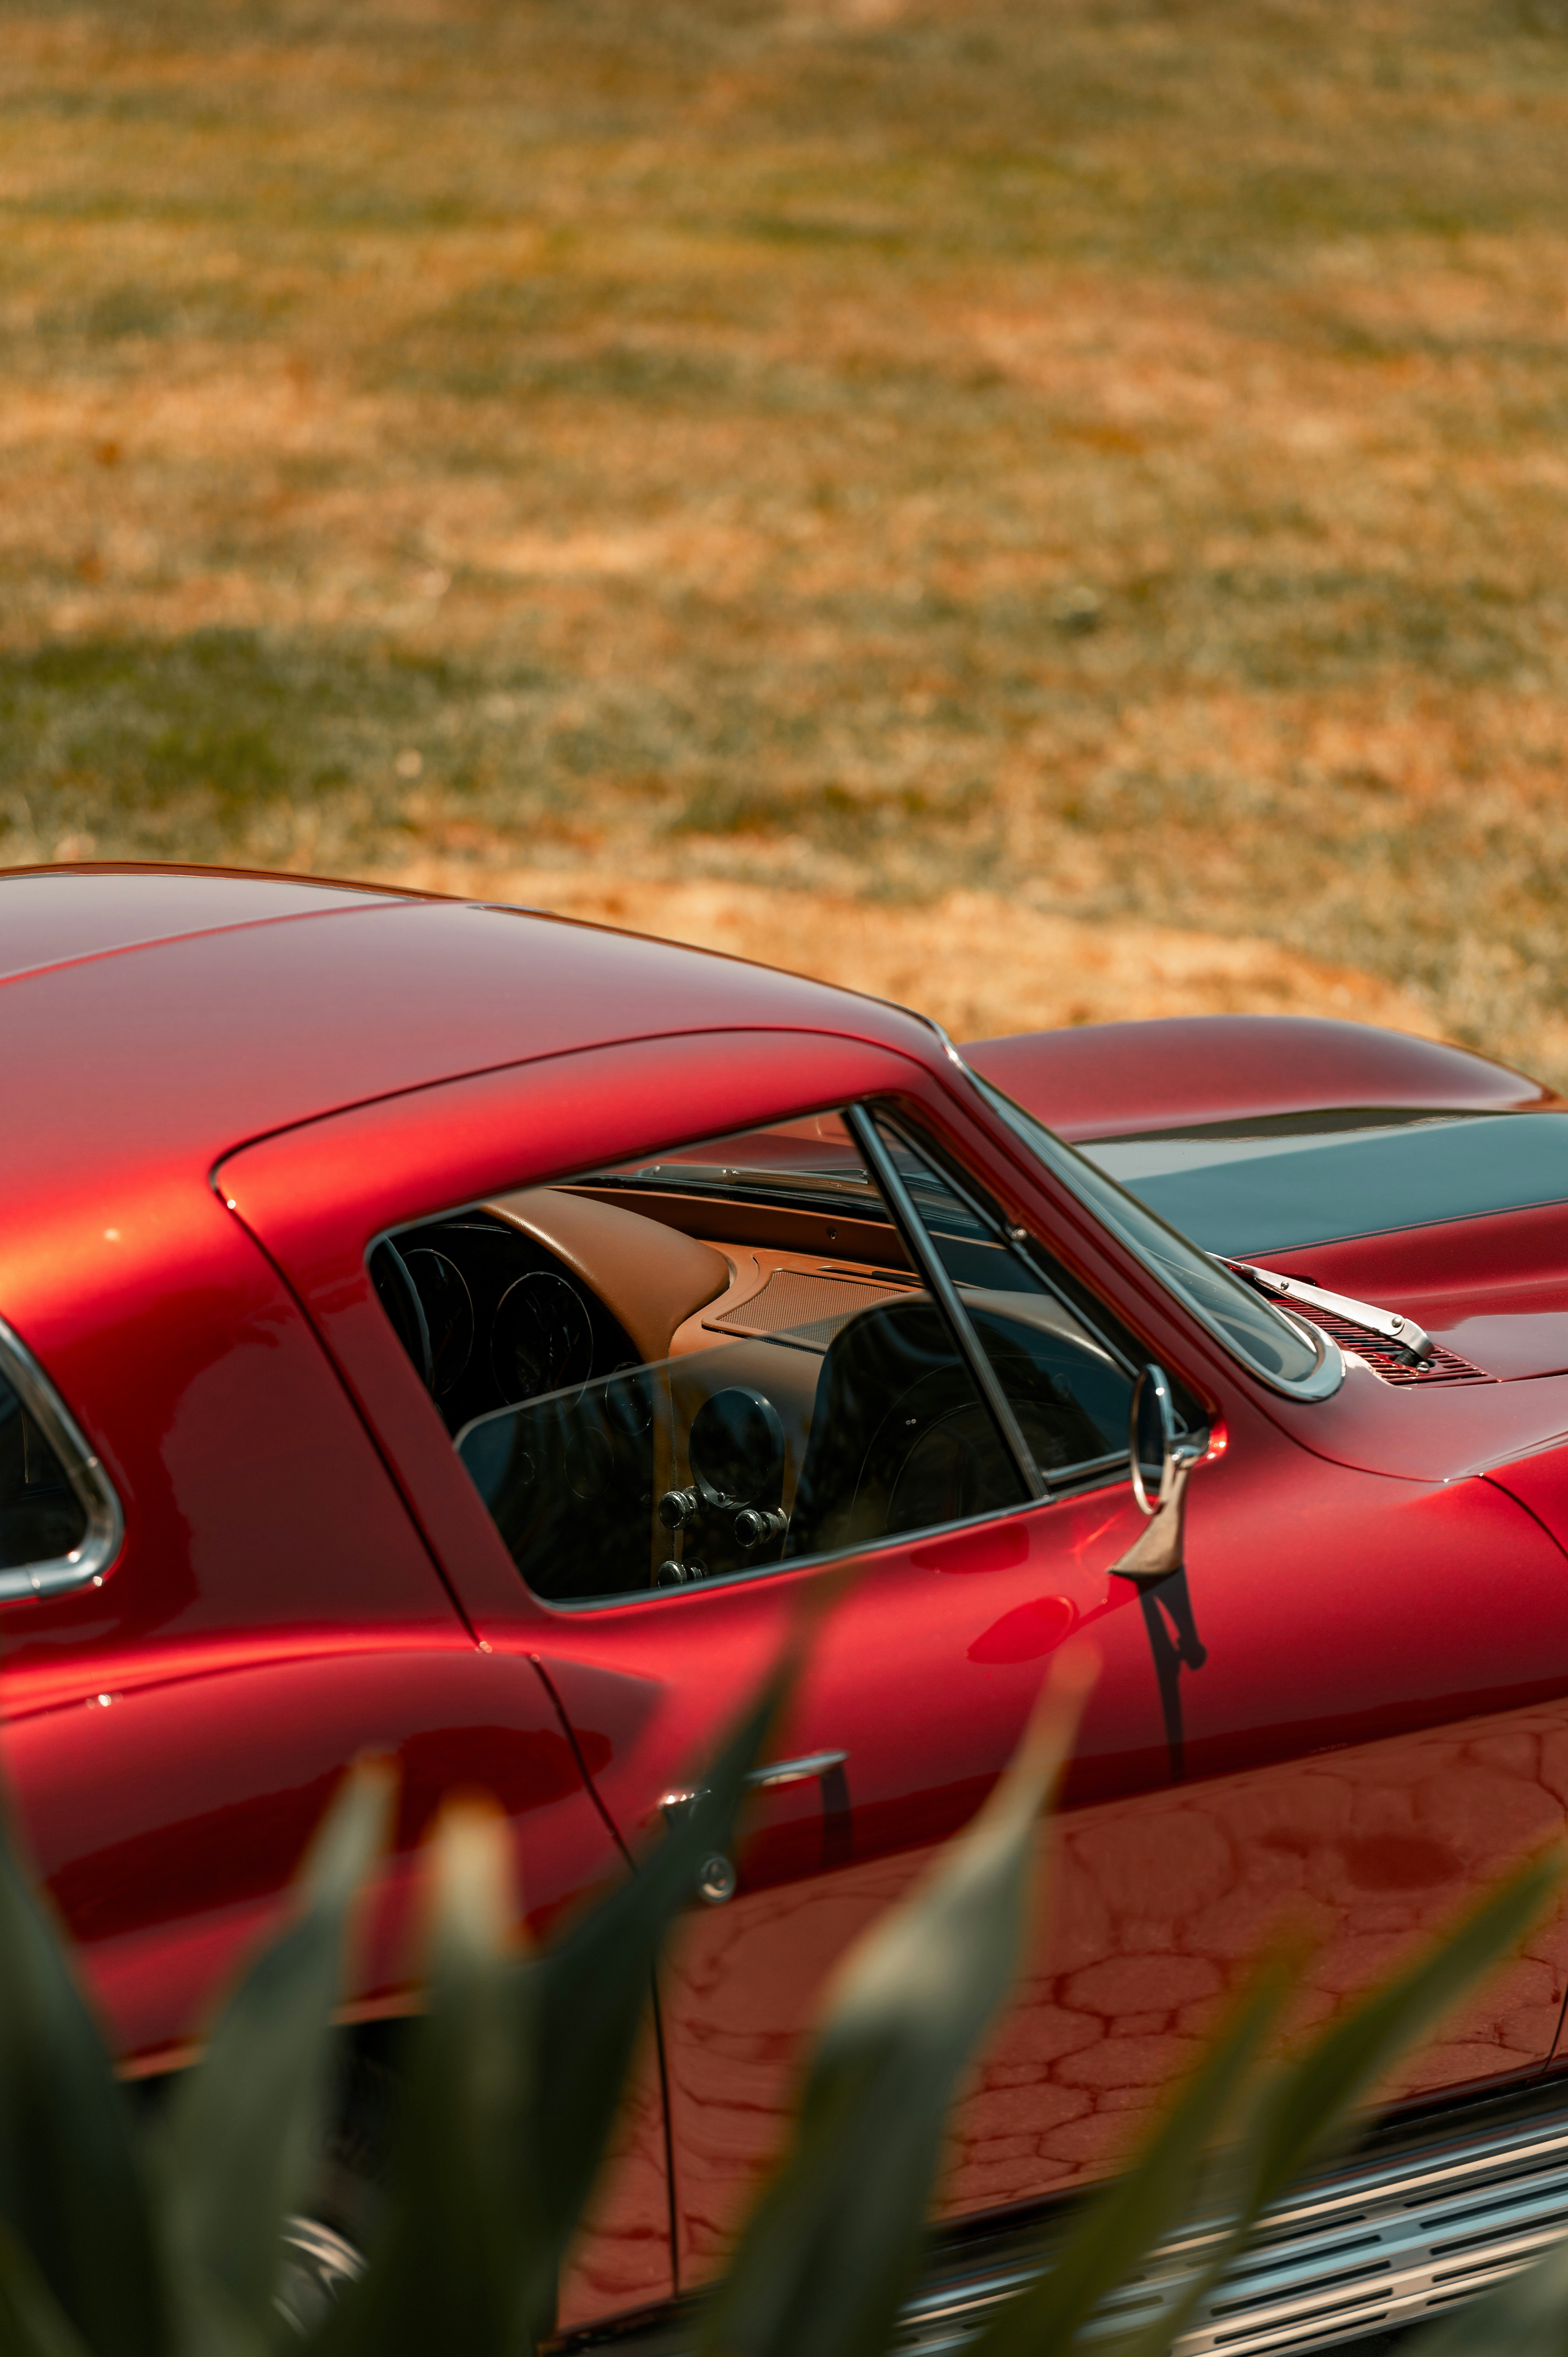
{"x":31,"y":2321}
{"x":590,"y":1992}
{"x":834,"y":2241}
{"x":1133,"y":2213}
{"x":1312,"y":2104}
{"x":236,"y":2155}
{"x":72,"y":2186}
{"x":518,"y":2070}
{"x":439,"y":2273}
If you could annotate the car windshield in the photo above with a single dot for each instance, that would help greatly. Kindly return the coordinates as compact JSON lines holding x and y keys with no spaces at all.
{"x":1246,"y":1189}
{"x":1290,"y":1357}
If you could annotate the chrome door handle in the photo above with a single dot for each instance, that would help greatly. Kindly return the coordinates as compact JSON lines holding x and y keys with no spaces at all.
{"x":716,"y":1878}
{"x":804,"y":1771}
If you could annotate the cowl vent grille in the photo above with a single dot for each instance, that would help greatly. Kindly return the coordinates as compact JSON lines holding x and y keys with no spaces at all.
{"x":1438,"y":1366}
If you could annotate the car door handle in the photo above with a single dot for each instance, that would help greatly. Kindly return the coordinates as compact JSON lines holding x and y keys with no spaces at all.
{"x":804,"y":1771}
{"x":716,"y":1875}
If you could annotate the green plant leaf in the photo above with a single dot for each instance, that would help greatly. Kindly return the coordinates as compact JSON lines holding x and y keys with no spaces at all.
{"x":440,"y":2274}
{"x":1119,"y":2229}
{"x":591,"y":1991}
{"x":830,"y":2249}
{"x":72,"y":2185}
{"x":1312,"y":2104}
{"x":31,"y":2323}
{"x":516,"y":2078}
{"x":236,"y":2153}
{"x":1524,"y":2316}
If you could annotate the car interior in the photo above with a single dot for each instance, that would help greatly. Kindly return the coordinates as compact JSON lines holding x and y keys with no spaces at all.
{"x":723,"y":1360}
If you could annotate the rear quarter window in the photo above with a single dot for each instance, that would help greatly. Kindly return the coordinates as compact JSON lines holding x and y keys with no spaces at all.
{"x":60,"y":1522}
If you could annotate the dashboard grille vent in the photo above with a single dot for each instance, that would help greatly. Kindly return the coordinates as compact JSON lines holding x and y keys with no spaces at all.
{"x":1441,"y":1366}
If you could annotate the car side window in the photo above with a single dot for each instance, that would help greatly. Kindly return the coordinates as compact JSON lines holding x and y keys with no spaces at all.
{"x":41,"y":1517}
{"x":1068,"y":1381}
{"x":726,"y":1359}
{"x":60,"y":1523}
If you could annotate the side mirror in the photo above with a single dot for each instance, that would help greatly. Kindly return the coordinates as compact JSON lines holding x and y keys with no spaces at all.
{"x":1160,"y":1464}
{"x":1153,"y":1447}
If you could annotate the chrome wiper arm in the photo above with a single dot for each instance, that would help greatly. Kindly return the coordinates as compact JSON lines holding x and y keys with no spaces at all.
{"x":1403,"y":1332}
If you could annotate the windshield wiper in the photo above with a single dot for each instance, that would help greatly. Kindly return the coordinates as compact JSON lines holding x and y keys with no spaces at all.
{"x":1412,"y":1342}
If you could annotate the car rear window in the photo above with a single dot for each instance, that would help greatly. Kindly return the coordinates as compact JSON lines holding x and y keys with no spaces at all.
{"x":41,"y":1513}
{"x":60,"y":1523}
{"x":1314,"y":1179}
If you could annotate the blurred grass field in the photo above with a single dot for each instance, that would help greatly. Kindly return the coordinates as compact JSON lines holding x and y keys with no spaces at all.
{"x":1013,"y":484}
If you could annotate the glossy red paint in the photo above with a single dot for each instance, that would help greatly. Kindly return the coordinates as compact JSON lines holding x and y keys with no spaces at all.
{"x":1107,"y":1079}
{"x":1352,"y":1707}
{"x":1305,"y":1653}
{"x":1315,"y":1709}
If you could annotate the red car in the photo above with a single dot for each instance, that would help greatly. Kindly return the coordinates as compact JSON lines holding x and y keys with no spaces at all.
{"x":444,"y":1328}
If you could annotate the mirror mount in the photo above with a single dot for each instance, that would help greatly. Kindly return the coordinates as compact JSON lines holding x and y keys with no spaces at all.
{"x":1159,"y":1548}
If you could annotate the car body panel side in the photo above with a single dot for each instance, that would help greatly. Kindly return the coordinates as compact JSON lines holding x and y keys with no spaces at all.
{"x":169,"y":1819}
{"x":258,"y":1515}
{"x":1346,"y":1768}
{"x":1337,"y":1610}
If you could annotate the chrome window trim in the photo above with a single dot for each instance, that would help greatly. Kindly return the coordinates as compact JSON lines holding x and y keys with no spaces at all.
{"x":105,"y":1531}
{"x":1325,"y":1377}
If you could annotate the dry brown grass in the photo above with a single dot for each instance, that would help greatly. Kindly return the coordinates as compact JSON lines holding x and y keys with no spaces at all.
{"x":1067,"y":477}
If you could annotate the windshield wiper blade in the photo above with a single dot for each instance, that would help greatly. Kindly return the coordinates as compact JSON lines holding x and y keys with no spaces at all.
{"x":1412,"y":1341}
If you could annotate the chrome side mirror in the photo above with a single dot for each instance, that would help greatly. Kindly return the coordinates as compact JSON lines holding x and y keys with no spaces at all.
{"x":1160,"y":1465}
{"x":1152,"y":1440}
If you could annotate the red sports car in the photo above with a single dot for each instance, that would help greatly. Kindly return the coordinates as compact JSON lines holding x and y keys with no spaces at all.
{"x":442,"y":1327}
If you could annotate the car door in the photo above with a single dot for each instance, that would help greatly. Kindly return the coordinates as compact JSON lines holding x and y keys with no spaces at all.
{"x":1291,"y":1725}
{"x":1267,"y":1650}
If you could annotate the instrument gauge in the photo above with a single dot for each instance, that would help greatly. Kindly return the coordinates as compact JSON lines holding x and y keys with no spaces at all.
{"x":542,"y":1337}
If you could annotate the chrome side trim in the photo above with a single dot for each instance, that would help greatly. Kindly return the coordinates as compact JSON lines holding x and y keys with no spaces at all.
{"x":1380,"y":2244}
{"x":105,"y":1531}
{"x":1391,"y":2236}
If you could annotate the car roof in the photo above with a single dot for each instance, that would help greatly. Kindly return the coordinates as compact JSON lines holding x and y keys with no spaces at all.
{"x":150,"y":1011}
{"x":58,"y":916}
{"x":157,"y":1011}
